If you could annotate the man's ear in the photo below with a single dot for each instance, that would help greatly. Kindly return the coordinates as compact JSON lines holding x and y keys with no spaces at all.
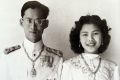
{"x":45,"y":24}
{"x":21,"y":21}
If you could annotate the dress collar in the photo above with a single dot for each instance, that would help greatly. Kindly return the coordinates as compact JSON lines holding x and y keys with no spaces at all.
{"x":90,"y":56}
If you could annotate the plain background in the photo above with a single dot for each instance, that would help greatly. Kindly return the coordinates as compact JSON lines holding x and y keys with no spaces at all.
{"x":63,"y":14}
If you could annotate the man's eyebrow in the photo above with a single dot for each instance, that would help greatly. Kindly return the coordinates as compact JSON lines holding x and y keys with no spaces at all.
{"x":31,"y":18}
{"x":39,"y":18}
{"x":27,"y":18}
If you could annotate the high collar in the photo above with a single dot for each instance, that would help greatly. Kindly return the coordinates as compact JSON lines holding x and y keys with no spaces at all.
{"x":90,"y":56}
{"x":32,"y":47}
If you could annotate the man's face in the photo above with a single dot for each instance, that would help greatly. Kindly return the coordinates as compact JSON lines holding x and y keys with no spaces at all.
{"x":32,"y":23}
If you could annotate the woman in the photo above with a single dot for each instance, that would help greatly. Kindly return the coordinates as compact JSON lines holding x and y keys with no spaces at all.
{"x":89,"y":38}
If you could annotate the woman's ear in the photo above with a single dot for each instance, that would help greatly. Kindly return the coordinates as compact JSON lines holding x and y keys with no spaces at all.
{"x":21,"y":21}
{"x":45,"y":24}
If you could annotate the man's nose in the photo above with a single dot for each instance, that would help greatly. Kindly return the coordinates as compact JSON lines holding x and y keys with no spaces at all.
{"x":33,"y":25}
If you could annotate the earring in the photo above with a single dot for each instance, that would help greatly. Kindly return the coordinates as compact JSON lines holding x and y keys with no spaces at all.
{"x":102,"y":43}
{"x":79,"y":45}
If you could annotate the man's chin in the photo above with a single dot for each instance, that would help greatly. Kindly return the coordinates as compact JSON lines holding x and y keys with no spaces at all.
{"x":34,"y":39}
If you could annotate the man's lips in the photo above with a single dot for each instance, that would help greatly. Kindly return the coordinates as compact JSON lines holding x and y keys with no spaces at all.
{"x":33,"y":32}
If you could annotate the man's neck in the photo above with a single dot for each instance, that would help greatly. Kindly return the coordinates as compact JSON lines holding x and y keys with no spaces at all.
{"x":33,"y":48}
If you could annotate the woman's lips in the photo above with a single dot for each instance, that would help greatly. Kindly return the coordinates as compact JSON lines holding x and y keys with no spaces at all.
{"x":90,"y":44}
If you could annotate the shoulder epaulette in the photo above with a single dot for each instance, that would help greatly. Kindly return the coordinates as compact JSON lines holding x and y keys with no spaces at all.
{"x":56,"y":52}
{"x":11,"y":49}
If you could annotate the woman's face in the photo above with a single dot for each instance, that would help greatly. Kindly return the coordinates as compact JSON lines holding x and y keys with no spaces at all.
{"x":90,"y":38}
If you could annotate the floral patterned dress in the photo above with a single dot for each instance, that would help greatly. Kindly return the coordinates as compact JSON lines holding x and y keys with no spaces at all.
{"x":76,"y":68}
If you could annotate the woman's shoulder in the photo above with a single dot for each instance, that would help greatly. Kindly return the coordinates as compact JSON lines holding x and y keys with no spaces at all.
{"x":74,"y":61}
{"x":109,"y":63}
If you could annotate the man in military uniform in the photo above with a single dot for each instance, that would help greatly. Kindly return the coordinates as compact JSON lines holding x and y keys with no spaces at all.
{"x":32,"y":60}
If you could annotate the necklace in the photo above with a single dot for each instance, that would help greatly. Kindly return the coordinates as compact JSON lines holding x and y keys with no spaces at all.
{"x":93,"y":72}
{"x":33,"y":70}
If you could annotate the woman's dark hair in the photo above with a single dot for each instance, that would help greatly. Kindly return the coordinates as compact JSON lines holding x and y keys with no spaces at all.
{"x":35,"y":4}
{"x":89,"y":19}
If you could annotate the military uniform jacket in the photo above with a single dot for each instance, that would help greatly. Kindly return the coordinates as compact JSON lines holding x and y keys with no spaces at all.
{"x":15,"y":65}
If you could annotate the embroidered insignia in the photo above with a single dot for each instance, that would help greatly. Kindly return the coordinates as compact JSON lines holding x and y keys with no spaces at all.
{"x":11,"y":49}
{"x":56,"y":52}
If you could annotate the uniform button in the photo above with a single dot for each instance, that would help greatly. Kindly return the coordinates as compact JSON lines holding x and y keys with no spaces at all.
{"x":34,"y":55}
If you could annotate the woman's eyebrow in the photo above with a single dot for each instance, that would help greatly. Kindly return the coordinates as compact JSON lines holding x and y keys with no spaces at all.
{"x":84,"y":32}
{"x":96,"y":30}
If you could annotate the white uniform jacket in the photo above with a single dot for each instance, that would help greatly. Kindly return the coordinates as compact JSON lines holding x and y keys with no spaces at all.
{"x":15,"y":65}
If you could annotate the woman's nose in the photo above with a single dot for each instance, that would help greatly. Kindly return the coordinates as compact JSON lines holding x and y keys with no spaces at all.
{"x":90,"y":37}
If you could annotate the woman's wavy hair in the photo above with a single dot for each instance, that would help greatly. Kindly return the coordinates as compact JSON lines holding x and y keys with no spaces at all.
{"x":89,"y":19}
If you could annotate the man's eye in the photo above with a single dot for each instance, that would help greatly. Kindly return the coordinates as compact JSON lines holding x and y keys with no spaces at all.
{"x":38,"y":20}
{"x":28,"y":20}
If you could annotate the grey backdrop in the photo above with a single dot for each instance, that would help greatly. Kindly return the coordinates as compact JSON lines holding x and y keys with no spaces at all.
{"x":62,"y":15}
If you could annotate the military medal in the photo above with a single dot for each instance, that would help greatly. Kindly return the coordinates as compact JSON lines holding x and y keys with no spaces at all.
{"x":33,"y":72}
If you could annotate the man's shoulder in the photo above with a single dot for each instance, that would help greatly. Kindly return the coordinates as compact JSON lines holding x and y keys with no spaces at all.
{"x":11,"y":49}
{"x":52,"y":56}
{"x":54,"y":52}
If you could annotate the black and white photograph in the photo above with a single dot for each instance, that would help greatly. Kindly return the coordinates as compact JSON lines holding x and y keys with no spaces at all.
{"x":60,"y":40}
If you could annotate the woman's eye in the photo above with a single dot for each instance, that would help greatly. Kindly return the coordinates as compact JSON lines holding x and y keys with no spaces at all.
{"x":84,"y":34}
{"x":96,"y":33}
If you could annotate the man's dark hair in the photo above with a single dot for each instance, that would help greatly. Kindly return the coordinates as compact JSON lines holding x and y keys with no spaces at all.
{"x":35,"y":4}
{"x":89,"y":19}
